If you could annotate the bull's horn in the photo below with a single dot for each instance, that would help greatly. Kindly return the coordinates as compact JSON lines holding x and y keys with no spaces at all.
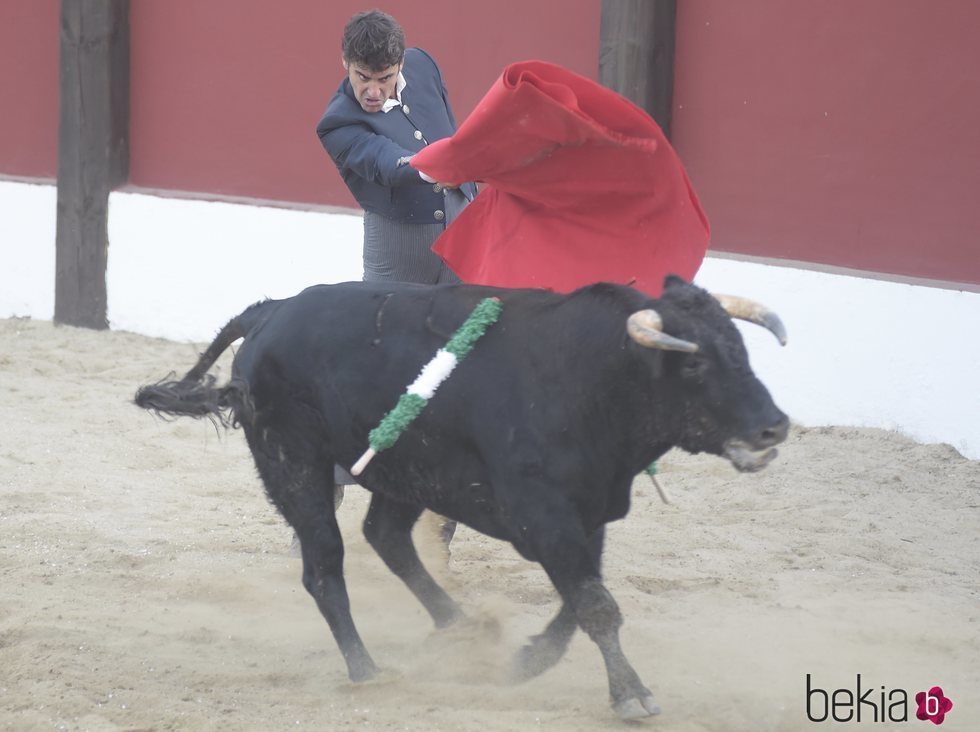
{"x":745,"y":309}
{"x":647,"y":328}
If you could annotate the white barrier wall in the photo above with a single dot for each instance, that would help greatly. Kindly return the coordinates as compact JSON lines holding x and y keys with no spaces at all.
{"x":27,"y":229}
{"x":861,"y":352}
{"x":180,"y":268}
{"x":864,"y":352}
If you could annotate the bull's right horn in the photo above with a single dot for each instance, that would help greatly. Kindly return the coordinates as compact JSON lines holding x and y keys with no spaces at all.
{"x":647,"y":328}
{"x":745,"y":309}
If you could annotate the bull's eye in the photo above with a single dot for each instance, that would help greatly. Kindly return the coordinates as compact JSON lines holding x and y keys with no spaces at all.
{"x":693,"y":369}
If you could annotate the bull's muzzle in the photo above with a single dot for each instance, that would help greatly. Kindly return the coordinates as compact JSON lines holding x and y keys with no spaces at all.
{"x":755,"y":453}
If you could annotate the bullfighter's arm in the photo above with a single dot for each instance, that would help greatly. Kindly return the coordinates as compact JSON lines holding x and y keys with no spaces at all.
{"x":372,"y":156}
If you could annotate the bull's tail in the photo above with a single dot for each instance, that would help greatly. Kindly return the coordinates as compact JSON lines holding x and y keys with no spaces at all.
{"x":196,"y":394}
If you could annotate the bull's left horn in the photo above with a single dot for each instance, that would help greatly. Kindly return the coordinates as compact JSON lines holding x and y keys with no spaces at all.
{"x":647,"y":328}
{"x":745,"y":309}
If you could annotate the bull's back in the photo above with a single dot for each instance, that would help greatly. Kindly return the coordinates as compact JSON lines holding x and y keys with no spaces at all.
{"x":349,"y":350}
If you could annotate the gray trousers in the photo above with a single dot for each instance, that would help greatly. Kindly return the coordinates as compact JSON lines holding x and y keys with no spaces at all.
{"x":395,"y":251}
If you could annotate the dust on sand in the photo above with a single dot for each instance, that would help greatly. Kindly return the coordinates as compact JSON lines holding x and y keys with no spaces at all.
{"x":147,"y":584}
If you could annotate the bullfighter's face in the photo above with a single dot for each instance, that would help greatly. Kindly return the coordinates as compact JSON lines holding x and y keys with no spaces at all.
{"x":371,"y":87}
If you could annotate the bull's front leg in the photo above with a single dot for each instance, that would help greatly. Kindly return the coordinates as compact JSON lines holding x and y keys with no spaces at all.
{"x":572,"y":561}
{"x":599,"y":616}
{"x":545,"y":649}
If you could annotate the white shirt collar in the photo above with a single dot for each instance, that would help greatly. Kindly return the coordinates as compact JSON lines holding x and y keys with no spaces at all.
{"x":400,"y":84}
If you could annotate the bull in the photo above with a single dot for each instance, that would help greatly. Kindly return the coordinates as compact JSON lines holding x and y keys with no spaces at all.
{"x":535,"y":438}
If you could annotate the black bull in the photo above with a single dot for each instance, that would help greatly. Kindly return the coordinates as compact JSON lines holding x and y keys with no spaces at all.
{"x":534,"y":439}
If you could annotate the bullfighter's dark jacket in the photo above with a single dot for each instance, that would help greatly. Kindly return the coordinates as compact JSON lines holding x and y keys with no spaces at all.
{"x":370,"y":149}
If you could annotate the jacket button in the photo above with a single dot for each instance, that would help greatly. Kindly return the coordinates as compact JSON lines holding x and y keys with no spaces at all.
{"x":418,"y":134}
{"x":438,"y":215}
{"x":437,"y":188}
{"x":405,"y":107}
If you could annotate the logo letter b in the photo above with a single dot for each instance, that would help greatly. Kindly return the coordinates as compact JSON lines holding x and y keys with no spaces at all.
{"x":810,"y":693}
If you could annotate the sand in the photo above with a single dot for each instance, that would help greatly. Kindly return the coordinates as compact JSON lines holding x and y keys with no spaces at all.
{"x":146,"y":584}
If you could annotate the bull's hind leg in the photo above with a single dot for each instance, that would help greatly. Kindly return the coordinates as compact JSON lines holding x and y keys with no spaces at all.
{"x":302,"y":488}
{"x":388,"y":529}
{"x":323,"y":557}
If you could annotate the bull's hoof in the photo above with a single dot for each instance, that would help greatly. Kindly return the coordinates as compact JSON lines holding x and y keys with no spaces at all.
{"x":534,"y":659}
{"x":362,"y":671}
{"x":636,"y":708}
{"x":449,"y":616}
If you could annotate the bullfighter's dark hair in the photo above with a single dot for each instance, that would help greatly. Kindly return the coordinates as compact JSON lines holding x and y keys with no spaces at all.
{"x":373,"y":39}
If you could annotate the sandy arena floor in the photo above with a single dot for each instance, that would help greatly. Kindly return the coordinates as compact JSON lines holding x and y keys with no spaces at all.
{"x":145,"y":583}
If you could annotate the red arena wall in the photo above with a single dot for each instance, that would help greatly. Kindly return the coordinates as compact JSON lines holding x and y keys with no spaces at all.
{"x":226,"y":94}
{"x":836,"y":132}
{"x":29,"y":88}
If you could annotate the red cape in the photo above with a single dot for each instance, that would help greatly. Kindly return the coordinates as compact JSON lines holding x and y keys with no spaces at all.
{"x":581,"y":187}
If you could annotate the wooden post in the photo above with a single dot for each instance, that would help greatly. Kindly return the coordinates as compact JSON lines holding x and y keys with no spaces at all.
{"x":93,"y":151}
{"x":636,"y":53}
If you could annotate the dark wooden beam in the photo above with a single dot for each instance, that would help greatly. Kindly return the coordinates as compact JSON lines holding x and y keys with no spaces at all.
{"x":636,"y":53}
{"x":93,"y":151}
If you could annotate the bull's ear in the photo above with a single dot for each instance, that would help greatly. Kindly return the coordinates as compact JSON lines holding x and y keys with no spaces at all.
{"x":673,"y":280}
{"x":646,"y":328}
